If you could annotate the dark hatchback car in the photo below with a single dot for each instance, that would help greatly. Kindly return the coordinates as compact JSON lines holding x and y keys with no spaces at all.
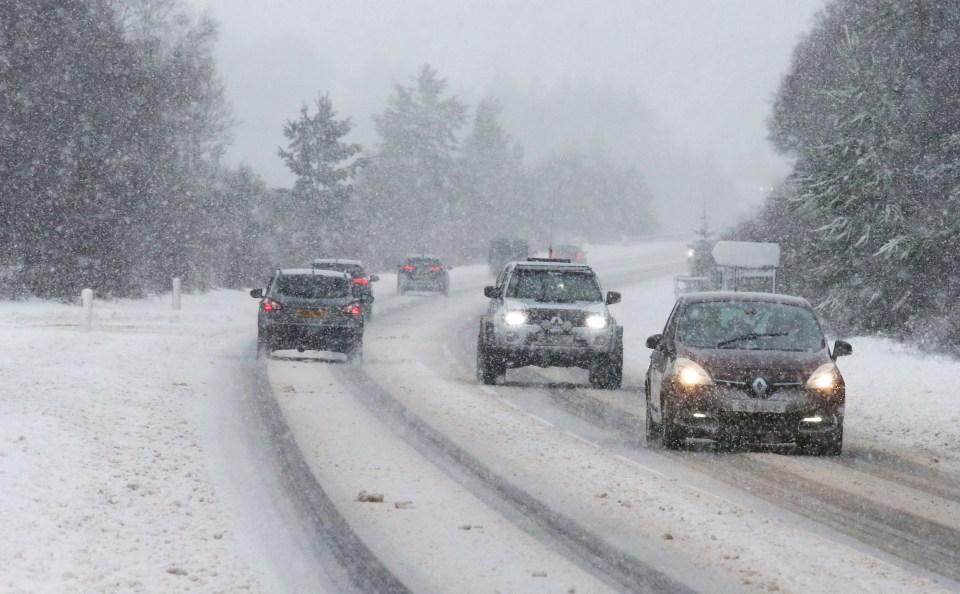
{"x":358,"y":275}
{"x":745,"y":368}
{"x":305,"y":308}
{"x":423,"y":273}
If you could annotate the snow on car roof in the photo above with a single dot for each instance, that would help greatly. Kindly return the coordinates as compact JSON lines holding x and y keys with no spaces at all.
{"x":337,"y":261}
{"x":747,"y":254}
{"x":553,"y":264}
{"x":314,"y":271}
{"x":745,"y":296}
{"x":422,"y":257}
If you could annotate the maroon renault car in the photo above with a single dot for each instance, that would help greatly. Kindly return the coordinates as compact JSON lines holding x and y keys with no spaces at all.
{"x":745,"y":368}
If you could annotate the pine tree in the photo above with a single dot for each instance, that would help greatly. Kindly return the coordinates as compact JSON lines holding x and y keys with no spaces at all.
{"x":409,"y":189}
{"x":324,"y":166}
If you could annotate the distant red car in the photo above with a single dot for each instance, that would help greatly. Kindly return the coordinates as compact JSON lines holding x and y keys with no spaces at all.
{"x":423,"y":273}
{"x":574,"y":253}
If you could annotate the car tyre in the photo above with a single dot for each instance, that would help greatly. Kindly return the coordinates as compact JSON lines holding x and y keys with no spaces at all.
{"x":489,"y":366}
{"x":355,"y":352}
{"x":263,"y":345}
{"x":670,"y":435}
{"x":606,"y":373}
{"x":653,"y":430}
{"x":823,"y":446}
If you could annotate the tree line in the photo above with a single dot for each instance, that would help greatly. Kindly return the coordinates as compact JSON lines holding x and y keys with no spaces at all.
{"x":113,"y":123}
{"x":868,"y":219}
{"x":430,"y":187}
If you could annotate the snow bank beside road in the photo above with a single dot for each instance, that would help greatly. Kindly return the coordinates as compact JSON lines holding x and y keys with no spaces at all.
{"x":105,"y":483}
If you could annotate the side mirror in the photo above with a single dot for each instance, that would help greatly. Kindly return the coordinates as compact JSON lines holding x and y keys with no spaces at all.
{"x":366,"y":298}
{"x":842,"y":348}
{"x":374,"y":278}
{"x":613,"y":297}
{"x":490,"y":291}
{"x":257,"y":293}
{"x":655,"y":342}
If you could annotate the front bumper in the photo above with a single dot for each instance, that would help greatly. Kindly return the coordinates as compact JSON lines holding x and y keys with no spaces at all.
{"x":718,"y":412}
{"x":531,"y":345}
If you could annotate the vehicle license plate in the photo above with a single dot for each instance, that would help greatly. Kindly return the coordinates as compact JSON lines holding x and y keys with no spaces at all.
{"x":312,"y":313}
{"x":554,"y":338}
{"x":758,"y":406}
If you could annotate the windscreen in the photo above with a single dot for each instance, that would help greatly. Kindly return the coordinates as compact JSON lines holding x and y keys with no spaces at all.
{"x":308,"y":286}
{"x":556,"y":286}
{"x":749,"y":326}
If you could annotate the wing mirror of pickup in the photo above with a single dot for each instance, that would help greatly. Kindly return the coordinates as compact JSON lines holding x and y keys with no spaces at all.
{"x":257,"y":293}
{"x":490,"y":291}
{"x":613,"y":297}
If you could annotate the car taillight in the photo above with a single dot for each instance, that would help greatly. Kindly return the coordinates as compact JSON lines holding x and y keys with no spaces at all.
{"x":579,"y":256}
{"x":434,"y":268}
{"x":361,"y":280}
{"x":270,"y":305}
{"x":351,"y":309}
{"x":408,"y":267}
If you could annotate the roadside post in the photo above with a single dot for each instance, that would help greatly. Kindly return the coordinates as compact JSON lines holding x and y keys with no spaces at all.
{"x":86,"y":298}
{"x":176,"y":293}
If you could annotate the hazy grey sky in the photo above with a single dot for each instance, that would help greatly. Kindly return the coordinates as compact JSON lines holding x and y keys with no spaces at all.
{"x":707,"y":69}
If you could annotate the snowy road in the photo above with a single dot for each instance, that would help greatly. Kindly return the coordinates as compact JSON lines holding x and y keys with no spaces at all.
{"x":155,"y":454}
{"x":543,"y":484}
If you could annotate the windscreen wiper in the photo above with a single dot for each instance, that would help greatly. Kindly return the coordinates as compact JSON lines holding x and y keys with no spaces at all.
{"x":750,"y":336}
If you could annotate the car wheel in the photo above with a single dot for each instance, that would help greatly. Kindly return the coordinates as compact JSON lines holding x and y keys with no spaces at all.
{"x":355,"y":352}
{"x":670,"y":434}
{"x":489,"y":367}
{"x":368,"y":315}
{"x":401,"y":289}
{"x":263,"y":345}
{"x":653,"y":430}
{"x":831,"y":445}
{"x":606,"y":373}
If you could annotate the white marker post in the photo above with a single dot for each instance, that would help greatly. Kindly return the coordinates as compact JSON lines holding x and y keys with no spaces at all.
{"x":86,"y":298}
{"x":176,"y":293}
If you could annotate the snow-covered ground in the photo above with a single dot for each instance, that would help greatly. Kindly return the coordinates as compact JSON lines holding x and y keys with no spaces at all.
{"x":120,"y":447}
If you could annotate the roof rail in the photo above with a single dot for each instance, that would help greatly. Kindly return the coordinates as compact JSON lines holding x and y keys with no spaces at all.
{"x":560,"y":260}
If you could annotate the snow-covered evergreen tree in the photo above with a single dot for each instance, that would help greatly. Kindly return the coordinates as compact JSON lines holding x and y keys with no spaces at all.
{"x":325,"y":166}
{"x":869,"y":111}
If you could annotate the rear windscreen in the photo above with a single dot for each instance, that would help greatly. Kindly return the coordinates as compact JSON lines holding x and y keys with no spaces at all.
{"x":313,"y":286}
{"x":351,"y":269}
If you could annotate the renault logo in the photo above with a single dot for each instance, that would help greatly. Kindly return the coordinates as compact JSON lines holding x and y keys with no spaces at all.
{"x":759,"y":386}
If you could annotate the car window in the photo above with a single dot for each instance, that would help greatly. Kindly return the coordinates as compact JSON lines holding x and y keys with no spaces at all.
{"x":420,"y":263}
{"x":749,"y":326}
{"x":553,"y":286}
{"x":351,"y":269}
{"x":313,"y":286}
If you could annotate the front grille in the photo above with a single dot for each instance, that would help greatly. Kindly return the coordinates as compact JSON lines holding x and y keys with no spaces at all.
{"x":538,"y":316}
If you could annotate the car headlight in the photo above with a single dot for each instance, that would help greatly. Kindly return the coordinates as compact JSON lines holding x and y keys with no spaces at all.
{"x":690,"y":374}
{"x":824,"y":378}
{"x":515,"y":318}
{"x":596,"y":322}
